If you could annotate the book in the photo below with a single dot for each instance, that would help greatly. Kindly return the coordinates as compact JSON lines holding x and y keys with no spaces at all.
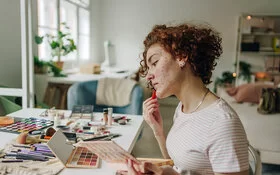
{"x":116,"y":156}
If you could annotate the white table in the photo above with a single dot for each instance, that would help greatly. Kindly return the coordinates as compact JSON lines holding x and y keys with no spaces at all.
{"x":80,"y":77}
{"x":129,"y":134}
{"x":262,"y":130}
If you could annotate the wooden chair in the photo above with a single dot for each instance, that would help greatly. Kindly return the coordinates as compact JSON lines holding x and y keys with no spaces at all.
{"x":56,"y":95}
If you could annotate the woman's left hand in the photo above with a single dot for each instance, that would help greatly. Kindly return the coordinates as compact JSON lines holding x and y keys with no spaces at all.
{"x":144,"y":168}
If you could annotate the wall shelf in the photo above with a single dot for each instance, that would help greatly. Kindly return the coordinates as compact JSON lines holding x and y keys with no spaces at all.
{"x":260,"y":53}
{"x":274,"y":73}
{"x":258,"y":43}
{"x":261,"y":34}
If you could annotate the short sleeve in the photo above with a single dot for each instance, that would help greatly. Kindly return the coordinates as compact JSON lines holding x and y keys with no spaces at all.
{"x":228,"y":146}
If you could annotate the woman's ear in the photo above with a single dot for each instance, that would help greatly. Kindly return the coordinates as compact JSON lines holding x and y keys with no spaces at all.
{"x":182,"y":61}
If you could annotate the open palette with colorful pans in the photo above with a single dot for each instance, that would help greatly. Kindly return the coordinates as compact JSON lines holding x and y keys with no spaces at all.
{"x":81,"y":157}
{"x":26,"y":125}
{"x":70,"y":156}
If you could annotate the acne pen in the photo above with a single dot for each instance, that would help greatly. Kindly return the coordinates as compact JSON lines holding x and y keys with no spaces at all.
{"x":154,"y":95}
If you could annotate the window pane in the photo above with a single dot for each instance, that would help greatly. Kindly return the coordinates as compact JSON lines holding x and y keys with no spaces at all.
{"x":70,"y":56}
{"x":72,"y":16}
{"x":83,"y":21}
{"x":44,"y":49}
{"x":85,"y":2}
{"x":68,"y":14}
{"x":84,"y":47}
{"x":47,"y":13}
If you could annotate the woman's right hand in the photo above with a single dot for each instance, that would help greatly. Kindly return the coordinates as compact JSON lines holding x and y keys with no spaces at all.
{"x":152,"y":115}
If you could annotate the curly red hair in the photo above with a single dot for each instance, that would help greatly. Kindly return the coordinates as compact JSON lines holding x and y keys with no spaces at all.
{"x":202,"y":46}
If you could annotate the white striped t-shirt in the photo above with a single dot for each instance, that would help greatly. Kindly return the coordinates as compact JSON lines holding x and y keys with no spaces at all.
{"x":207,"y":141}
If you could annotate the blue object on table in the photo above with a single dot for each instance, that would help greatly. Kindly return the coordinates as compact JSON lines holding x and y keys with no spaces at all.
{"x":84,"y":93}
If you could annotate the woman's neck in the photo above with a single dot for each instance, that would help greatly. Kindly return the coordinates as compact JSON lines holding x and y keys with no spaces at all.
{"x":192,"y":94}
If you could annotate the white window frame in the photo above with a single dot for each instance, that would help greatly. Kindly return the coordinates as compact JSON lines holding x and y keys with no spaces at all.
{"x":27,"y":89}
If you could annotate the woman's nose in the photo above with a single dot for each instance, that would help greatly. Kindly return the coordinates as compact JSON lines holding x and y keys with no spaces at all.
{"x":149,"y":76}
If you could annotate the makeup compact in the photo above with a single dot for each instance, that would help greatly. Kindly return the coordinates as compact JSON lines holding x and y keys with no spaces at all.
{"x":26,"y":125}
{"x":6,"y":120}
{"x":71,"y":156}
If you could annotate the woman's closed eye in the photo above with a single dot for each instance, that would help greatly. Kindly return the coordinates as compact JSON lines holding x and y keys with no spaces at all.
{"x":154,"y":63}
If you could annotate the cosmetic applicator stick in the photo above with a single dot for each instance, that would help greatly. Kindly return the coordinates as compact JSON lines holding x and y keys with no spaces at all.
{"x":154,"y":95}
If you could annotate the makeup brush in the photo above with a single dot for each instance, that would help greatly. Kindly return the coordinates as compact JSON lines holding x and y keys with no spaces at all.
{"x":24,"y":138}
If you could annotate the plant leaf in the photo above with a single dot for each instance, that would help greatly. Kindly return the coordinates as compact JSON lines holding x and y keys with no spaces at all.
{"x":38,"y":39}
{"x":54,"y":44}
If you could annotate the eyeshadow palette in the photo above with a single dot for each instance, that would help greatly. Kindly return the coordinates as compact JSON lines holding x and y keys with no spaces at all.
{"x":82,"y":158}
{"x":82,"y":111}
{"x":26,"y":125}
{"x":70,"y":156}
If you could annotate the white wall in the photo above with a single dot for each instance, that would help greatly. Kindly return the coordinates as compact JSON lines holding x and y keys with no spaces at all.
{"x":126,"y":23}
{"x":10,"y":45}
{"x":95,"y":27}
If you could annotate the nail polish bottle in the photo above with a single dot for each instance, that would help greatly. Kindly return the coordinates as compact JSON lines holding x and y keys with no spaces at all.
{"x":105,"y":116}
{"x":110,"y":116}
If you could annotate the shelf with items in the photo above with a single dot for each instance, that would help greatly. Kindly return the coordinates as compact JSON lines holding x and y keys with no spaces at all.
{"x":260,"y":53}
{"x":258,"y":43}
{"x":261,"y":34}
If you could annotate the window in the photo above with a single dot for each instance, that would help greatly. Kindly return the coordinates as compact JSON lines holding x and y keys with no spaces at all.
{"x":76,"y":14}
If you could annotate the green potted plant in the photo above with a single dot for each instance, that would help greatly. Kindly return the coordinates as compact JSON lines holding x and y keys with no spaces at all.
{"x":226,"y":80}
{"x":245,"y":71}
{"x":61,"y":44}
{"x":40,"y":66}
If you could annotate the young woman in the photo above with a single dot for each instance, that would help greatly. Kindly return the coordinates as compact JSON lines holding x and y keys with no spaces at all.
{"x":207,"y":136}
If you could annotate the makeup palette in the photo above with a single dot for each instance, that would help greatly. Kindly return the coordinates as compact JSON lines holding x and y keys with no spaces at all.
{"x":82,"y":157}
{"x":70,"y":156}
{"x":26,"y":125}
{"x":82,"y":111}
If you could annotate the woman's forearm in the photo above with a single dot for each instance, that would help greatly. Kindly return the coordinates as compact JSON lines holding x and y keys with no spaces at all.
{"x":161,"y":139}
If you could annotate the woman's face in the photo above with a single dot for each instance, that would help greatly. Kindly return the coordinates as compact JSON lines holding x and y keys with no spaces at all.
{"x":163,"y":71}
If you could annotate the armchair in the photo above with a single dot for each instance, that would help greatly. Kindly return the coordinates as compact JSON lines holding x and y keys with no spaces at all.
{"x":84,"y":93}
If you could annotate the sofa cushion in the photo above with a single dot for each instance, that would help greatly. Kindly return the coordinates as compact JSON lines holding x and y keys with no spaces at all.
{"x":248,"y":92}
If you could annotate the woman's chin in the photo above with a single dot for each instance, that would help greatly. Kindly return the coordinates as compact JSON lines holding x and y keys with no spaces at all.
{"x":161,"y":95}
